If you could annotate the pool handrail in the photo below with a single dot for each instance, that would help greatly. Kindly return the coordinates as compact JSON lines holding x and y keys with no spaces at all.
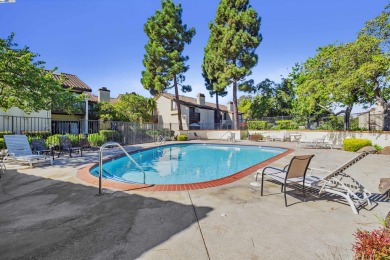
{"x":101,"y":162}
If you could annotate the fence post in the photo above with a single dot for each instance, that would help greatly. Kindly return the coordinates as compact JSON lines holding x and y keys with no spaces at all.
{"x":369,"y":121}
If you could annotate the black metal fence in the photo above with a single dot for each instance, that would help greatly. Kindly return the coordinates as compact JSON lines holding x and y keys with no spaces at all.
{"x":123,"y":132}
{"x":366,"y":121}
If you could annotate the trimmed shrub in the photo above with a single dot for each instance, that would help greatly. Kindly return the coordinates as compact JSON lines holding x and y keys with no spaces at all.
{"x":36,"y":134}
{"x":259,"y":125}
{"x":285,"y":125}
{"x":52,"y":140}
{"x":110,"y":135}
{"x":2,"y":144}
{"x":378,"y":147}
{"x":256,"y":137}
{"x":96,"y":139}
{"x":353,"y":145}
{"x":182,"y":138}
{"x":372,"y":245}
{"x":5,"y":133}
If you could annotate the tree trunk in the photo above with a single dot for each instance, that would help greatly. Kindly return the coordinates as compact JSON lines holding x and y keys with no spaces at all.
{"x":218,"y":113}
{"x":177,"y":103}
{"x":235,"y":107}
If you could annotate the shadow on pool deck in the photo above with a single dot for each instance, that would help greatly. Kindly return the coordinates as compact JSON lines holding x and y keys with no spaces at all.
{"x":50,"y":219}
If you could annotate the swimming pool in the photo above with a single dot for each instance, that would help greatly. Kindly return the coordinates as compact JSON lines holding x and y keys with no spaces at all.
{"x":185,"y":163}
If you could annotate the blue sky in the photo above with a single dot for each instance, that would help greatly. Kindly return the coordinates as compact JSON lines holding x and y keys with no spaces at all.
{"x":102,"y":41}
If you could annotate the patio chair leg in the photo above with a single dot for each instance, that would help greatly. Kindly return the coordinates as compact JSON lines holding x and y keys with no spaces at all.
{"x":304,"y":194}
{"x":281,"y":189}
{"x":285,"y":196}
{"x":262,"y":183}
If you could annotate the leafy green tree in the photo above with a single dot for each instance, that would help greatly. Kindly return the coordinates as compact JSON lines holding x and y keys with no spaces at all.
{"x":105,"y":110}
{"x":234,"y":37}
{"x":379,"y":27}
{"x":132,"y":108}
{"x":163,"y":61}
{"x":245,"y":106}
{"x":26,"y":84}
{"x":347,"y":74}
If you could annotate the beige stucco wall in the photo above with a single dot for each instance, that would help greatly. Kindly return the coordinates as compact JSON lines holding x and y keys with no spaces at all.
{"x":336,"y":137}
{"x":168,"y":116}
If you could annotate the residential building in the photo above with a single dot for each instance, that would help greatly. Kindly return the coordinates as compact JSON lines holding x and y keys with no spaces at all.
{"x":196,"y":113}
{"x":57,"y":120}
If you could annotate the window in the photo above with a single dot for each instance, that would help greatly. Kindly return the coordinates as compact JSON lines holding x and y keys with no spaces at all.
{"x":224,"y":116}
{"x":173,"y":105}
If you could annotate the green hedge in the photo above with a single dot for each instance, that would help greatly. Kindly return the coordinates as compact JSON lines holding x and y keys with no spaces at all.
{"x":259,"y":125}
{"x":111,"y":135}
{"x":285,"y":125}
{"x":2,"y":144}
{"x":54,"y":140}
{"x":5,"y":133}
{"x":36,"y":134}
{"x":353,"y":145}
{"x":96,"y":139}
{"x":182,"y":138}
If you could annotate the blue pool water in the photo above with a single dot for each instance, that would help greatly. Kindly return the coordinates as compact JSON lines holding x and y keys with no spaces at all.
{"x":185,"y":163}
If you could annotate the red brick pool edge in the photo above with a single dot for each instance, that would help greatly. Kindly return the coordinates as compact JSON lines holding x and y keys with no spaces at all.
{"x":84,"y":175}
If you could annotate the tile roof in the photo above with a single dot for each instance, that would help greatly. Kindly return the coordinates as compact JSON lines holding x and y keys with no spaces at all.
{"x":193,"y":102}
{"x":72,"y":81}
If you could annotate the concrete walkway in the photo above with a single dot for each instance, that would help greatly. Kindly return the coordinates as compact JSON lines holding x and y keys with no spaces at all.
{"x":47,"y":213}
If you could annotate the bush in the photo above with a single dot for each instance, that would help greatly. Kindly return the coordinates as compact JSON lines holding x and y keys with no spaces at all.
{"x":110,"y":135}
{"x":2,"y":144}
{"x":53,"y":140}
{"x":259,"y":125}
{"x":353,"y":145}
{"x":96,"y":139}
{"x":285,"y":125}
{"x":378,"y":147}
{"x":182,"y":138}
{"x":372,"y":245}
{"x":36,"y":134}
{"x":5,"y":133}
{"x":256,"y":137}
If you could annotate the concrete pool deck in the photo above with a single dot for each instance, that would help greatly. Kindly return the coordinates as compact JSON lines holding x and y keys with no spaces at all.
{"x":48,"y":213}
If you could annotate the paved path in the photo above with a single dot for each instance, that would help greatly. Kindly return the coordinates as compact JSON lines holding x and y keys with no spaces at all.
{"x":47,"y":213}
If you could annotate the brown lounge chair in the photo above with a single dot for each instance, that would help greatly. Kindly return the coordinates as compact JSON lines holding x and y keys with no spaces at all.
{"x":295,"y":172}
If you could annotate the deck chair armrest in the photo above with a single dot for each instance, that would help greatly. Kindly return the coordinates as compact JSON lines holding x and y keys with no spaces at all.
{"x":273,"y":168}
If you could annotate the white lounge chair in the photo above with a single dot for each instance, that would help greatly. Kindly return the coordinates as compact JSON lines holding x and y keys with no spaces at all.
{"x":340,"y":183}
{"x":315,"y":143}
{"x":335,"y":182}
{"x":19,"y":149}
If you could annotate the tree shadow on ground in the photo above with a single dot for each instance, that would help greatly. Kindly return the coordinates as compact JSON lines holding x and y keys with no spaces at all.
{"x":51,"y":219}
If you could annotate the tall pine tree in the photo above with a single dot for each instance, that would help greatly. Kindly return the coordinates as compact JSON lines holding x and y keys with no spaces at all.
{"x":234,"y":37}
{"x":163,"y":61}
{"x":212,"y":87}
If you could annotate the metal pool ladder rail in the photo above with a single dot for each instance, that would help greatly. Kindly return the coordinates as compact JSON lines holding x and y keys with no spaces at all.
{"x":101,"y":162}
